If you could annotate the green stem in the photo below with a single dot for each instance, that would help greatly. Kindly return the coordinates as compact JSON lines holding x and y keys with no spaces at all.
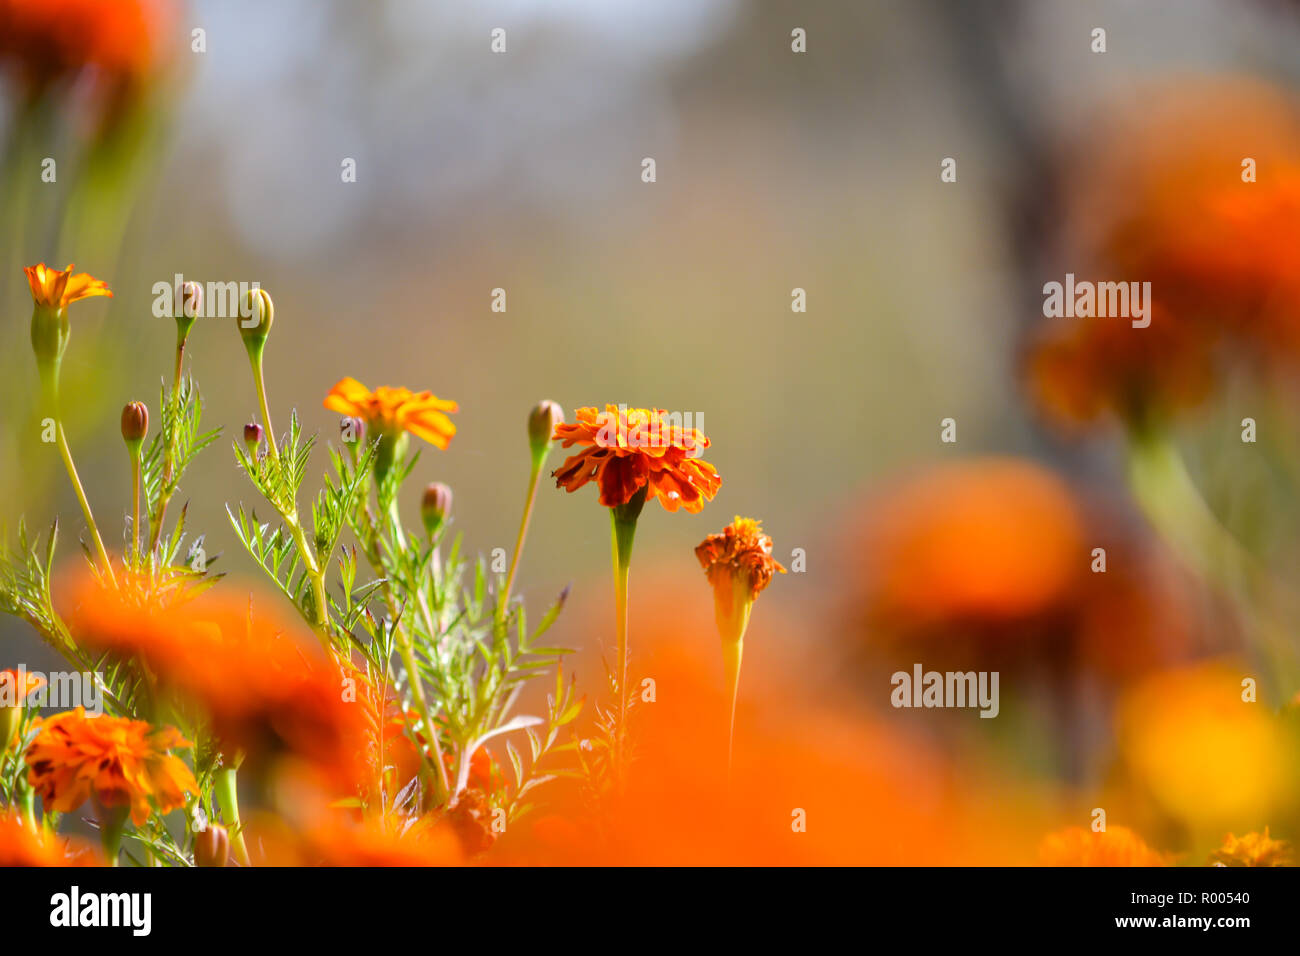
{"x":260,"y":381}
{"x":112,"y":824}
{"x":503,"y":604}
{"x":1173,"y":504}
{"x":135,"y":505}
{"x":623,"y":531}
{"x":732,"y":652}
{"x":406,"y":649}
{"x":169,"y":464}
{"x":225,"y":788}
{"x":51,"y":379}
{"x":27,"y":803}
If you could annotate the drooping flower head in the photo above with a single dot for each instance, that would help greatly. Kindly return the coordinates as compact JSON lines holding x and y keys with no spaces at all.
{"x":1254,"y":849}
{"x":739,"y":564}
{"x":625,"y":450}
{"x":113,"y":760}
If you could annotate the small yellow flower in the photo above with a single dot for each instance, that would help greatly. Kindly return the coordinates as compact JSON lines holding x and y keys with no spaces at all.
{"x":56,"y":290}
{"x":390,"y":411}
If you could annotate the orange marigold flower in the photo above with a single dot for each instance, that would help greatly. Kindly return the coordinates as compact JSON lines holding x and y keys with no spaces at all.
{"x":1114,"y":846}
{"x":115,"y":761}
{"x":56,"y":290}
{"x":1254,"y":849}
{"x":740,"y":550}
{"x":390,"y":411}
{"x":21,"y":846}
{"x":627,"y":449}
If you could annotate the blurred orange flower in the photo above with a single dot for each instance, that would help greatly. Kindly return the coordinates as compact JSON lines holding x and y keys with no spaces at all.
{"x":626,"y":449}
{"x":332,"y":840}
{"x":1114,"y":846}
{"x":986,"y":541}
{"x":120,"y":42}
{"x":1210,"y":172}
{"x":265,"y":686}
{"x":1254,"y":849}
{"x":115,"y":761}
{"x":56,"y":290}
{"x":21,"y":846}
{"x":390,"y":411}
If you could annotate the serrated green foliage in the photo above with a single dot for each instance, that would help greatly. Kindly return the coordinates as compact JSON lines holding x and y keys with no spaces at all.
{"x":180,"y":432}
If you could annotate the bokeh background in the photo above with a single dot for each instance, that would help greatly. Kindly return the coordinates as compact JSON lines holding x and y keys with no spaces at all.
{"x":775,"y":170}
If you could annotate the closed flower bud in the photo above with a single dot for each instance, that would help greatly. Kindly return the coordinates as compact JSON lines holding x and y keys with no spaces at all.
{"x":191,"y":307}
{"x":135,"y":424}
{"x":212,"y":846}
{"x":252,"y":438}
{"x":351,"y":430}
{"x":256,"y":314}
{"x":541,"y":426}
{"x":435,"y":507}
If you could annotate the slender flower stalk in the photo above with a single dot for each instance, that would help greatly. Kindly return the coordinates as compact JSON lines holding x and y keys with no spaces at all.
{"x":254,"y":329}
{"x":52,"y":400}
{"x":623,"y":526}
{"x":135,"y":424}
{"x":541,"y":425}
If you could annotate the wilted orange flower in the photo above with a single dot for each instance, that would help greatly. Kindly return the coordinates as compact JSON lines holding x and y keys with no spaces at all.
{"x":1254,"y":849}
{"x":1114,"y":846}
{"x":390,"y":411}
{"x":740,"y":550}
{"x":56,"y":290}
{"x":627,"y":449}
{"x":21,"y":846}
{"x":115,"y":761}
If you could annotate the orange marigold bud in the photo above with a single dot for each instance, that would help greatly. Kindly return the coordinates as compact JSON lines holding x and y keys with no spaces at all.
{"x":212,"y":846}
{"x":135,"y":424}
